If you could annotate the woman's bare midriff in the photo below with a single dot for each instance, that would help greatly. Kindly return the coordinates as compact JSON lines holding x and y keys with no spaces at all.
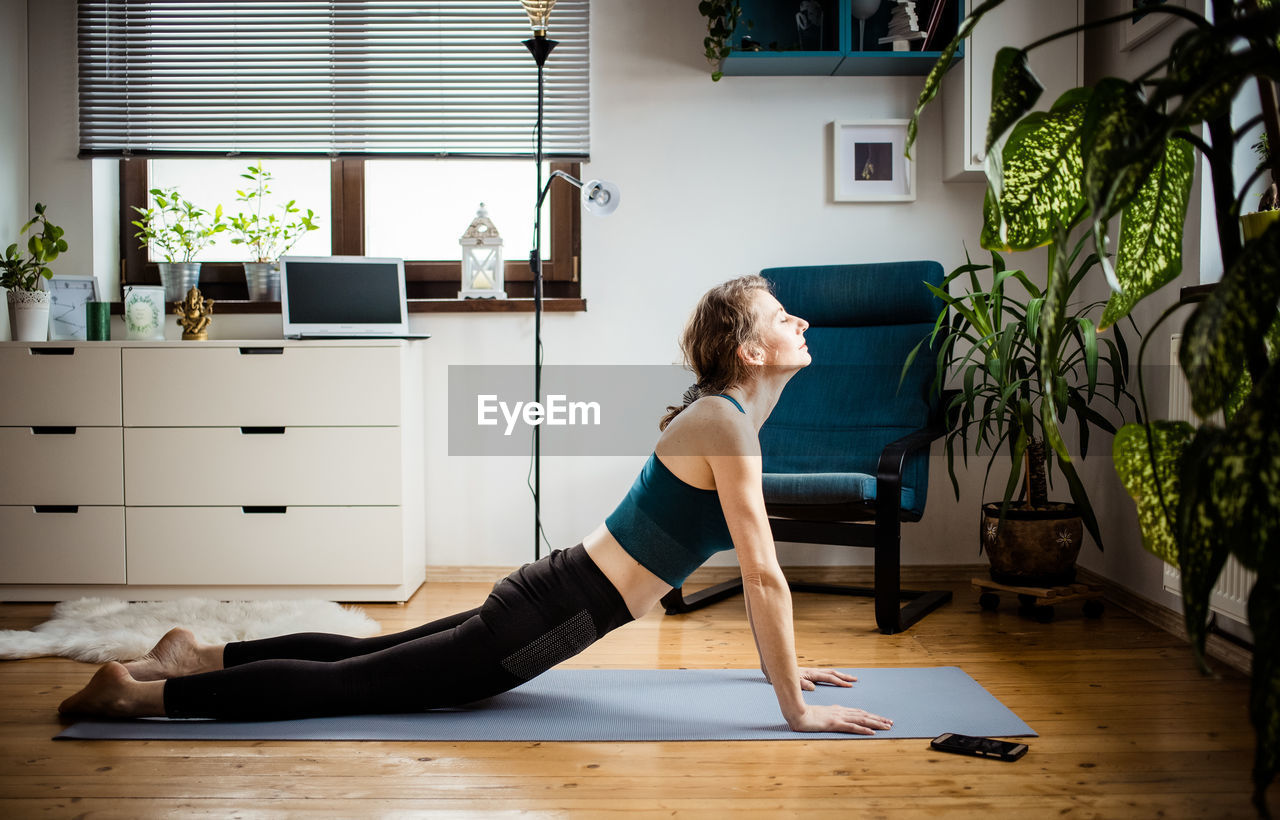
{"x":639,"y":587}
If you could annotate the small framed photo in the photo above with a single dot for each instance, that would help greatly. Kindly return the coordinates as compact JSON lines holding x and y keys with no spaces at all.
{"x":868,"y":164}
{"x":67,"y":295}
{"x":1142,"y":26}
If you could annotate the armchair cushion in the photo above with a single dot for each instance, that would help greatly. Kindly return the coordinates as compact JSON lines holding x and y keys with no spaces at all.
{"x":826,"y":488}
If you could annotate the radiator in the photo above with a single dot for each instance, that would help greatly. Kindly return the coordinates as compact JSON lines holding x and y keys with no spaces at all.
{"x":1230,"y":597}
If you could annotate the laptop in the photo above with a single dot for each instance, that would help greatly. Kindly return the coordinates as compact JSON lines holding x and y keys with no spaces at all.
{"x":344,"y":297}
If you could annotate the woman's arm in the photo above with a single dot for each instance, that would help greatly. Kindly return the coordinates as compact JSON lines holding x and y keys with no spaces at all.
{"x":739,"y":485}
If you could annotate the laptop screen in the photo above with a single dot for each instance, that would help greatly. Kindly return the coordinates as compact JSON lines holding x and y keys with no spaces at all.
{"x":342,"y":295}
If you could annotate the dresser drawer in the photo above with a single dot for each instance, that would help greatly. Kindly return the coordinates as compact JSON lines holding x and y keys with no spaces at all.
{"x":302,"y":546}
{"x":232,"y":466}
{"x":82,"y":547}
{"x":42,"y":384}
{"x":225,"y":387}
{"x":84,"y":467}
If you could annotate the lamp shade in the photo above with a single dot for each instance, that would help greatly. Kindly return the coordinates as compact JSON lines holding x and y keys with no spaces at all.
{"x":539,"y":12}
{"x":600,"y":197}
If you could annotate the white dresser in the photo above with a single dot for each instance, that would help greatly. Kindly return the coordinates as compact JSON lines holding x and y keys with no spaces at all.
{"x":220,"y":469}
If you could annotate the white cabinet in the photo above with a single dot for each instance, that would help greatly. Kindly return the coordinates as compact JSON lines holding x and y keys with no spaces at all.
{"x":223,"y":469}
{"x":966,"y":89}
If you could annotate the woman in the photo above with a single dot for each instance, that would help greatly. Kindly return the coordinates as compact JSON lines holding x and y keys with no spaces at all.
{"x":699,"y":493}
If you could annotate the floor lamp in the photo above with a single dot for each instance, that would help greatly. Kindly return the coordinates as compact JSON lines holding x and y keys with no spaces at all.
{"x":598,"y":197}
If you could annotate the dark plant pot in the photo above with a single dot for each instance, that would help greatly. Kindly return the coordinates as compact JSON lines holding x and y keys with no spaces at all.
{"x":1034,"y":547}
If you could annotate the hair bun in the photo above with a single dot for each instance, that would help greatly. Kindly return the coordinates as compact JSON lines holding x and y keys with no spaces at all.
{"x":694,"y":393}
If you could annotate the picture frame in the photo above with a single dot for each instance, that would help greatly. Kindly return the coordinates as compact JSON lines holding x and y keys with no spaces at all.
{"x":1139,"y":30}
{"x":868,"y":162}
{"x":67,"y":295}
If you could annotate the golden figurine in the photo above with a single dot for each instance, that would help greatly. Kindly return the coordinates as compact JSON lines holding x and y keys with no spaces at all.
{"x":193,"y":314}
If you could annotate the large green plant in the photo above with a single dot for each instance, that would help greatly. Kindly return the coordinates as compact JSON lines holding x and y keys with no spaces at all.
{"x":27,"y":273}
{"x":1127,"y":148}
{"x":994,"y":347}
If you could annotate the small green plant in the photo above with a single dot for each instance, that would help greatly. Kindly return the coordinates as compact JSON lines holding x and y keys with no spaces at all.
{"x":19,"y":273}
{"x":1269,"y":200}
{"x":176,"y":226}
{"x":722,"y":18}
{"x":267,"y":237}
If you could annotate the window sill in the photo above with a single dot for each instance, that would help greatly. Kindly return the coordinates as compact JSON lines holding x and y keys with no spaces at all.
{"x":557,"y":305}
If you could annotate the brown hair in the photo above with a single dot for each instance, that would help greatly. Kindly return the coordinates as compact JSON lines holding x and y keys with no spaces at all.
{"x":723,"y":321}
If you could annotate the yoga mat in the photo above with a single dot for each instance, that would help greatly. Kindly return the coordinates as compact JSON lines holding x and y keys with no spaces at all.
{"x":624,"y":704}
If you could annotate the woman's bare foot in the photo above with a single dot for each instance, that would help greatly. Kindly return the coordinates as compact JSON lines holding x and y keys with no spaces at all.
{"x":113,"y":693}
{"x":177,"y":654}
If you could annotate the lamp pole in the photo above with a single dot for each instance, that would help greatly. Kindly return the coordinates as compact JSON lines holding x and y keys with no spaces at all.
{"x":539,"y":46}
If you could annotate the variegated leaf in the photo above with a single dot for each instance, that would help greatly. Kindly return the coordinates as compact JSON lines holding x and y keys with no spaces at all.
{"x":1235,"y":314}
{"x":1041,"y":179}
{"x":1150,"y":252}
{"x":1138,"y":464}
{"x":1115,"y":128}
{"x":1014,"y":91}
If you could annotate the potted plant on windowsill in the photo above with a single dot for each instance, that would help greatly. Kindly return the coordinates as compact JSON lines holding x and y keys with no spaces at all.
{"x":1010,"y":404}
{"x":267,"y":237}
{"x":24,"y":277}
{"x":179,"y":230}
{"x":1254,"y":224}
{"x":1126,"y":147}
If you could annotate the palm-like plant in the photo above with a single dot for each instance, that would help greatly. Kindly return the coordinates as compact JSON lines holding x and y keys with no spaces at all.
{"x":1127,"y":148}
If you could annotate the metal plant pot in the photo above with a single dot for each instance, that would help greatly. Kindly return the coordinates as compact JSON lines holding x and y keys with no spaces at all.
{"x":178,"y":278}
{"x":1034,"y":547}
{"x":263,"y":279}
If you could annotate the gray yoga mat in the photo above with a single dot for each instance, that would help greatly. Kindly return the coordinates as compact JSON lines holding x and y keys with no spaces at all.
{"x":624,"y":704}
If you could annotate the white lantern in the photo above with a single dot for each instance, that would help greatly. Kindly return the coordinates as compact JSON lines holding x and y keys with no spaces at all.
{"x":481,"y":259}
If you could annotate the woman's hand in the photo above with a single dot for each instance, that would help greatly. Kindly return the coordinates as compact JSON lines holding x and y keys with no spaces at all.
{"x":810,"y":678}
{"x":838,"y":719}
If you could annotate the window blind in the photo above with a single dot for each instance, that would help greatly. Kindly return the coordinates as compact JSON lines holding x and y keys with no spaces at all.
{"x":327,"y":78}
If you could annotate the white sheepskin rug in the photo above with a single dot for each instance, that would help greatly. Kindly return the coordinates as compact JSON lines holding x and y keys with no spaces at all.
{"x":98,"y":630}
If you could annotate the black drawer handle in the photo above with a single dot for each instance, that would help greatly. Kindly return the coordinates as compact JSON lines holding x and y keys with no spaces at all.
{"x":261,"y":351}
{"x":264,"y":510}
{"x":262,"y":431}
{"x":53,"y":431}
{"x":52,"y":351}
{"x":56,"y":508}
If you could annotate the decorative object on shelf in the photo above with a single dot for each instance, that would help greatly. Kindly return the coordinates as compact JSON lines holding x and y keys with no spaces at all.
{"x":24,"y":278}
{"x":482,"y":271}
{"x":1030,"y":540}
{"x":599,"y":197}
{"x":722,"y":18}
{"x":267,"y":237}
{"x":904,"y":26}
{"x":97,"y":321}
{"x":179,"y":230}
{"x":810,"y":25}
{"x":863,"y":10}
{"x":868,"y":164}
{"x":1126,"y":147}
{"x":68,"y":296}
{"x":194,"y":314}
{"x":144,"y":312}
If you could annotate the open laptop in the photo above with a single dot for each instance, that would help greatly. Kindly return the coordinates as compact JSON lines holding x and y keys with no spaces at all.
{"x":344,"y":297}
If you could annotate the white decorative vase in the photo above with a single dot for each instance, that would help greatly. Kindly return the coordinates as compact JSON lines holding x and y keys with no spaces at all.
{"x":29,"y":315}
{"x":263,"y":279}
{"x":178,"y":278}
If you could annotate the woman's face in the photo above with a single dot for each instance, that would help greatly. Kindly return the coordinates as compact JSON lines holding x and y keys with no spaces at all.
{"x":781,"y":334}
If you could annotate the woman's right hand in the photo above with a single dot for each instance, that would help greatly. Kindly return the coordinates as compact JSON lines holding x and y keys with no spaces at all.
{"x":838,"y":719}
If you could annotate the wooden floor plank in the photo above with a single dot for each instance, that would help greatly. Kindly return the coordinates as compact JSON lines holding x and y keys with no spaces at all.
{"x":1128,"y":727}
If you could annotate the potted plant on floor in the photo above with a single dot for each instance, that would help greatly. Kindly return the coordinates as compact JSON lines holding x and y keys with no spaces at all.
{"x":267,"y":237}
{"x":1009,"y":403}
{"x":24,"y":275}
{"x":1126,"y":147}
{"x":179,"y":229}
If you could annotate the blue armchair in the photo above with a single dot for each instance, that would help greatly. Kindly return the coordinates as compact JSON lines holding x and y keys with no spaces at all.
{"x":846,"y":450}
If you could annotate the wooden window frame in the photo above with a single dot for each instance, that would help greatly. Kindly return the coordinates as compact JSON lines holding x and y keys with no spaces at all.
{"x":430,"y":284}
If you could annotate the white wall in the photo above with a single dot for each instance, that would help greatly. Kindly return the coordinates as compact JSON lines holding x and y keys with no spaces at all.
{"x":14,"y":207}
{"x":718,"y":179}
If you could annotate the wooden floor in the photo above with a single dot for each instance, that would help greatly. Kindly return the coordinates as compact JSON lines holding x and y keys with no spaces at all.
{"x":1128,"y":728}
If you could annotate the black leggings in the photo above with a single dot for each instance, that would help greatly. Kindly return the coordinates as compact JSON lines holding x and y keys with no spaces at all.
{"x":543,"y":613}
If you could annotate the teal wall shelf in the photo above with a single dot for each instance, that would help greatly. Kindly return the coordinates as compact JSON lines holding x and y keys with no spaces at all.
{"x":780,"y":40}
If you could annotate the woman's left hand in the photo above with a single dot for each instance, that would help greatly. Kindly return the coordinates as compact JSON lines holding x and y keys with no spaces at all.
{"x":810,"y":678}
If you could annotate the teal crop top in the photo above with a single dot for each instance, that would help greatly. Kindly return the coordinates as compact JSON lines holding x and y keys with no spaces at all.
{"x":671,"y":528}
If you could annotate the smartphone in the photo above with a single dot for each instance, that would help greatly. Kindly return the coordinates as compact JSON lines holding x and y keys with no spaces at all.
{"x":979,"y":746}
